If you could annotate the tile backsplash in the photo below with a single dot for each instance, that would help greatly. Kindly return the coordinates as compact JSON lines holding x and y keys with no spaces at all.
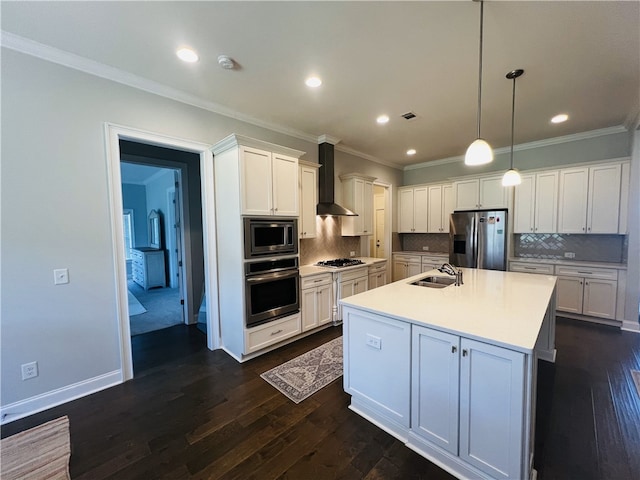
{"x":329,"y":242}
{"x":587,"y":248}
{"x":437,"y":242}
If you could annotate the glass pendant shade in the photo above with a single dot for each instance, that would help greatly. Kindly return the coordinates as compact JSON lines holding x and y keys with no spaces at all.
{"x":478,"y":153}
{"x":511,"y":177}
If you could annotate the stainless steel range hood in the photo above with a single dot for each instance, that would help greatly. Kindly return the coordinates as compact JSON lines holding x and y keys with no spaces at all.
{"x":326,"y":190}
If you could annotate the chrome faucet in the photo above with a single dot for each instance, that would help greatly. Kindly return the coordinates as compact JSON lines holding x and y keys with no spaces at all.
{"x":451,"y":270}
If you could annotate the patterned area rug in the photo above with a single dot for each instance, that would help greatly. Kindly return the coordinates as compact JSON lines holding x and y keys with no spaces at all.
{"x":305,"y":375}
{"x":636,"y":379}
{"x":39,"y":453}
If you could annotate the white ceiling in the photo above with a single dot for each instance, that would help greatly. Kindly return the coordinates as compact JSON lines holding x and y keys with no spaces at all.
{"x":582,"y":58}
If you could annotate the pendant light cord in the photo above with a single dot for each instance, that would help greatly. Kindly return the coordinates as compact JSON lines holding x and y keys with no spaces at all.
{"x":480,"y":69}
{"x":513,"y":117}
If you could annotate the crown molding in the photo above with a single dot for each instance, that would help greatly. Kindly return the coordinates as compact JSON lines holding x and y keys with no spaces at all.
{"x":328,"y":139}
{"x":528,"y":146}
{"x":366,"y":156}
{"x":83,"y":64}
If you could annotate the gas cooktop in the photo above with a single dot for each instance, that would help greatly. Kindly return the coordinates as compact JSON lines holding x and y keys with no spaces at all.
{"x":340,"y":262}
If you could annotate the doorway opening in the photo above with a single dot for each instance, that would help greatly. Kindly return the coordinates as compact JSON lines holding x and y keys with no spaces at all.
{"x":188,"y":258}
{"x":379,"y":244}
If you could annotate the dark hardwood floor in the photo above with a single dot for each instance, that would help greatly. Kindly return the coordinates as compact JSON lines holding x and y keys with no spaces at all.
{"x":195,"y":414}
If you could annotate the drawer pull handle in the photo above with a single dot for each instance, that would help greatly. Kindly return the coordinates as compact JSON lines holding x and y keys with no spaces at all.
{"x":586,"y":273}
{"x":464,"y":352}
{"x":529,"y":268}
{"x":276,"y":332}
{"x":454,"y":349}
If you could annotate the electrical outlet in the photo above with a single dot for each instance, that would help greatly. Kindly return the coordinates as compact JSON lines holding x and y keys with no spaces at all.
{"x":373,"y":341}
{"x":569,"y":255}
{"x":29,"y":370}
{"x":426,"y":249}
{"x":353,"y":254}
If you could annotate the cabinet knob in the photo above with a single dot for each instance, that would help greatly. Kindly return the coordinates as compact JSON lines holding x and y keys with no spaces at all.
{"x":454,"y":349}
{"x":275,"y":209}
{"x":464,"y":352}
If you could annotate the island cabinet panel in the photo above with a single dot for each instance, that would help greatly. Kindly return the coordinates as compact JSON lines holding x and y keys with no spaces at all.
{"x":435,"y":387}
{"x":492,"y":386}
{"x":377,"y":365}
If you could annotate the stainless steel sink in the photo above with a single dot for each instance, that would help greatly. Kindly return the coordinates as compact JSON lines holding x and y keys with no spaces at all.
{"x":434,"y":282}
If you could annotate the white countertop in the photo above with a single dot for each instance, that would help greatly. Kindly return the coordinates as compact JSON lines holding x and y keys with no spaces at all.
{"x":307,"y":270}
{"x":574,"y":263}
{"x":421,"y":252}
{"x":502,"y":308}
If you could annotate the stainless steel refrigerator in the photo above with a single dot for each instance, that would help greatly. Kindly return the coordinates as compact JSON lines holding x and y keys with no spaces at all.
{"x":478,"y":239}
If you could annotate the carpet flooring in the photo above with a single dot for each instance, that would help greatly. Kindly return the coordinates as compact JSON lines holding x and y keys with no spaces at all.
{"x":303,"y":376}
{"x":162,"y":306}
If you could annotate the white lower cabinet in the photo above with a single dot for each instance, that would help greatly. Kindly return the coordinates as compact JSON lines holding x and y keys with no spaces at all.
{"x":464,"y":404}
{"x":350,"y":283}
{"x":467,"y":399}
{"x":377,"y":275}
{"x":406,"y":266}
{"x":260,"y":337}
{"x":316,"y":301}
{"x":587,"y":291}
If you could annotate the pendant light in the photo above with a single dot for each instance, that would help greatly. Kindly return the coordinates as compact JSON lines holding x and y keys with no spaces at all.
{"x":479,"y":152}
{"x":511,"y":176}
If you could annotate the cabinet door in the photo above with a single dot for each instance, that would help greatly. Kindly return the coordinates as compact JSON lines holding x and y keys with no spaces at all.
{"x":492,"y":193}
{"x":367,"y":209}
{"x":309,"y":309}
{"x":435,"y":209}
{"x":448,"y":206}
{"x":420,"y":209}
{"x":600,"y":298}
{"x":434,"y":387}
{"x":361,"y":285}
{"x":572,"y":200}
{"x":405,"y":210}
{"x":546,"y":202}
{"x":492,"y":408}
{"x":466,"y":194}
{"x":256,"y":181}
{"x":285,"y":185}
{"x":604,"y":199}
{"x":414,"y":268}
{"x":569,"y":291}
{"x":377,"y":364}
{"x":524,"y":204}
{"x":399,"y":269}
{"x":308,"y":202}
{"x":324,"y":304}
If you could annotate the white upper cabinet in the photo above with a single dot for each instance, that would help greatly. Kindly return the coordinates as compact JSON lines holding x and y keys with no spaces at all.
{"x":480,"y":193}
{"x":440,"y":206}
{"x":536,"y":203}
{"x":412,"y":209}
{"x":308,"y":199}
{"x":357,"y":196}
{"x":269,"y":183}
{"x":589,"y":199}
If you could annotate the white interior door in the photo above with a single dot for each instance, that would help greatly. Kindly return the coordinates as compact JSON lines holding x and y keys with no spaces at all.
{"x":379,"y":243}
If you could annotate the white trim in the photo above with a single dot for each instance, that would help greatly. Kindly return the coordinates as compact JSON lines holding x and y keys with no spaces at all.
{"x":52,"y":398}
{"x":328,"y":139}
{"x":113,"y":133}
{"x":234,"y":140}
{"x":630,"y":326}
{"x":366,"y":156}
{"x":528,"y":146}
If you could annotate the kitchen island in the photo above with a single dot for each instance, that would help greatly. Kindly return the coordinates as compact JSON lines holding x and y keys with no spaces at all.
{"x":451,"y":371}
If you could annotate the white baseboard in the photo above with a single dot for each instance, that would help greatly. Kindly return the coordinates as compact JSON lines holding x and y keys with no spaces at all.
{"x":631,"y":326}
{"x":29,"y":406}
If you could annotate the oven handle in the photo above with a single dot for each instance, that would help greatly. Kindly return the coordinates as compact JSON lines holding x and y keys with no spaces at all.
{"x":273,"y":276}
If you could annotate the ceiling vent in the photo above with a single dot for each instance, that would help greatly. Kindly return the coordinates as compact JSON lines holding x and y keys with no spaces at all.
{"x":408,"y":116}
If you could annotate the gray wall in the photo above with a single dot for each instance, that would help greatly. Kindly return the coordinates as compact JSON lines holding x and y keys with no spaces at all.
{"x":135,"y":198}
{"x":603,"y":147}
{"x":54,"y":176}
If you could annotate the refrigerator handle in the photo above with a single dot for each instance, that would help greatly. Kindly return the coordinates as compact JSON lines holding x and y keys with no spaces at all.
{"x":474,"y":241}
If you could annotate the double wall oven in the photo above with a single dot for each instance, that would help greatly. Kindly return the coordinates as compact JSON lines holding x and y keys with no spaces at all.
{"x":272,"y":281}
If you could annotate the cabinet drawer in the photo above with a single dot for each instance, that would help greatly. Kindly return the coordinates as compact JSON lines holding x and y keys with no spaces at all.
{"x":377,"y":267}
{"x":407,"y":258}
{"x":544,"y":269}
{"x":261,"y":337}
{"x":353,"y":274}
{"x":315,"y":281}
{"x":587,"y":272}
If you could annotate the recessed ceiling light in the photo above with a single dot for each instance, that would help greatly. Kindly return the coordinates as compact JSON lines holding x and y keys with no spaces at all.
{"x":187,"y":55}
{"x":563,"y":117}
{"x":313,"y":82}
{"x":411,"y":151}
{"x":382,"y":119}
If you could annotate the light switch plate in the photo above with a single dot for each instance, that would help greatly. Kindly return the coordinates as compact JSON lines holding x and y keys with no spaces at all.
{"x":61,"y":276}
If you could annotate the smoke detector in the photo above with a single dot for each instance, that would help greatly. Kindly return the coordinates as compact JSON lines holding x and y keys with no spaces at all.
{"x":226,"y":62}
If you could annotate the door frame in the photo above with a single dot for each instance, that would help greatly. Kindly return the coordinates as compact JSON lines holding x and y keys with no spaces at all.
{"x":388,"y":220}
{"x":113,"y":134}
